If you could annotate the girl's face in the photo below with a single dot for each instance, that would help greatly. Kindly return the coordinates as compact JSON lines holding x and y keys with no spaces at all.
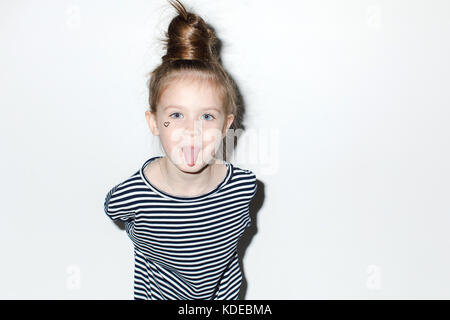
{"x":191,"y":123}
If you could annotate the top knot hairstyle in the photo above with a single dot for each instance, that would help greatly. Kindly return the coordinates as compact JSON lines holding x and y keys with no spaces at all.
{"x":189,"y":38}
{"x":192,"y":52}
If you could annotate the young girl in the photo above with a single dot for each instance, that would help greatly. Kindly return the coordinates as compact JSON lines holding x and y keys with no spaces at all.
{"x":186,"y":211}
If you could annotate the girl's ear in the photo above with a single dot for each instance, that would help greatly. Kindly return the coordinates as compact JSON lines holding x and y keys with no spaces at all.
{"x":228,"y":121}
{"x":152,"y":123}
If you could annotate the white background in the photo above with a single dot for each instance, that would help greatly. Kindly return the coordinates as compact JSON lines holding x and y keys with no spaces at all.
{"x":348,"y":101}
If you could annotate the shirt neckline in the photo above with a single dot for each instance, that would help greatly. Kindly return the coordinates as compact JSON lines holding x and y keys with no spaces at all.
{"x":185,"y":199}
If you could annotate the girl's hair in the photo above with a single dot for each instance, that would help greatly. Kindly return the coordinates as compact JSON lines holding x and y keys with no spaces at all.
{"x":192,"y":52}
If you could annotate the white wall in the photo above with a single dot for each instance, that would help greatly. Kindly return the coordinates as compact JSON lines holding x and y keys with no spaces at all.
{"x":348,"y":102}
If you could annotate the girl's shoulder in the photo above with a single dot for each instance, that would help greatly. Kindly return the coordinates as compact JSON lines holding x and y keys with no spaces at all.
{"x":245,"y":177}
{"x":117,"y":203}
{"x":243,"y":172}
{"x":124,"y":186}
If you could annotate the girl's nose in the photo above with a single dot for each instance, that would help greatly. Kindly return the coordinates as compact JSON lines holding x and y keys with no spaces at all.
{"x":193,"y":128}
{"x":193,"y":133}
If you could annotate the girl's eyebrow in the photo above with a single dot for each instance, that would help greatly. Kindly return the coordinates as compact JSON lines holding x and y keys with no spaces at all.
{"x":181,"y":107}
{"x":212,"y":108}
{"x":170,"y":106}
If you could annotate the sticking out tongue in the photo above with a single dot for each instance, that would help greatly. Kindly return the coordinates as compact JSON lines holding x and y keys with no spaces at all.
{"x":190,"y":155}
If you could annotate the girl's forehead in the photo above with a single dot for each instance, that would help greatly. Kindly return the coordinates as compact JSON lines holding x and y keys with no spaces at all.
{"x":192,"y":95}
{"x":191,"y":83}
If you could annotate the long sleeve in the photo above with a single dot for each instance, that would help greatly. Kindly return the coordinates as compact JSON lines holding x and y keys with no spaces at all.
{"x":118,"y":205}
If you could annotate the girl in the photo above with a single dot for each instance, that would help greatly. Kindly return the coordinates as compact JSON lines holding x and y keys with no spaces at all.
{"x":186,"y":211}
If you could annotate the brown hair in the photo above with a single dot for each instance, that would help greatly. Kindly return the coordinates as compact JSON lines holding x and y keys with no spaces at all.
{"x":192,"y":52}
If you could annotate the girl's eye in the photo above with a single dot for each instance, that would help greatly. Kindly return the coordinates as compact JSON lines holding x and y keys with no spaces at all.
{"x":211,"y":116}
{"x":173,"y":114}
{"x":177,"y":114}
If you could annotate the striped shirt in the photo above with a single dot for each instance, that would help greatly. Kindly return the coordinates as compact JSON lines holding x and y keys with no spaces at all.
{"x":185,"y":248}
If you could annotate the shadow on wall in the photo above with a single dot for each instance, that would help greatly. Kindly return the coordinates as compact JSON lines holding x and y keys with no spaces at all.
{"x":248,"y":235}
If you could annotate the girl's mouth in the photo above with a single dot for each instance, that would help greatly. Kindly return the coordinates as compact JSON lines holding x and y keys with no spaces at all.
{"x":190,"y":154}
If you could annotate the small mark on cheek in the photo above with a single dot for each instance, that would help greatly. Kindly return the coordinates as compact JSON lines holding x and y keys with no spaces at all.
{"x":166,"y":124}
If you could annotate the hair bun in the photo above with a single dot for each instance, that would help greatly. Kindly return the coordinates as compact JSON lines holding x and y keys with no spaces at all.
{"x":188,"y":37}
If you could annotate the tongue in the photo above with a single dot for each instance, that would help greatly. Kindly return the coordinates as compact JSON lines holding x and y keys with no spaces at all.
{"x":190,"y":155}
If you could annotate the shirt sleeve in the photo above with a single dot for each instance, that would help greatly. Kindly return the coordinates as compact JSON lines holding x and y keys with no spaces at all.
{"x":118,"y":205}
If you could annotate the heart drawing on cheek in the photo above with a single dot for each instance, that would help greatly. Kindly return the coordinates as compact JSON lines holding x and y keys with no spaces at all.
{"x":166,"y":124}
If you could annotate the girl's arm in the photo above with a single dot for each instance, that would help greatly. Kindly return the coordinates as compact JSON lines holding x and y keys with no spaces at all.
{"x":118,"y":205}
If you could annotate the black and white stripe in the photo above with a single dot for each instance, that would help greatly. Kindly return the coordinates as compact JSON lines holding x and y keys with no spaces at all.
{"x":185,"y":248}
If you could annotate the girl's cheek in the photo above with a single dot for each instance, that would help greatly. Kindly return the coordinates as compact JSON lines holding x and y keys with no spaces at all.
{"x":212,"y":135}
{"x":173,"y":134}
{"x":209,"y":128}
